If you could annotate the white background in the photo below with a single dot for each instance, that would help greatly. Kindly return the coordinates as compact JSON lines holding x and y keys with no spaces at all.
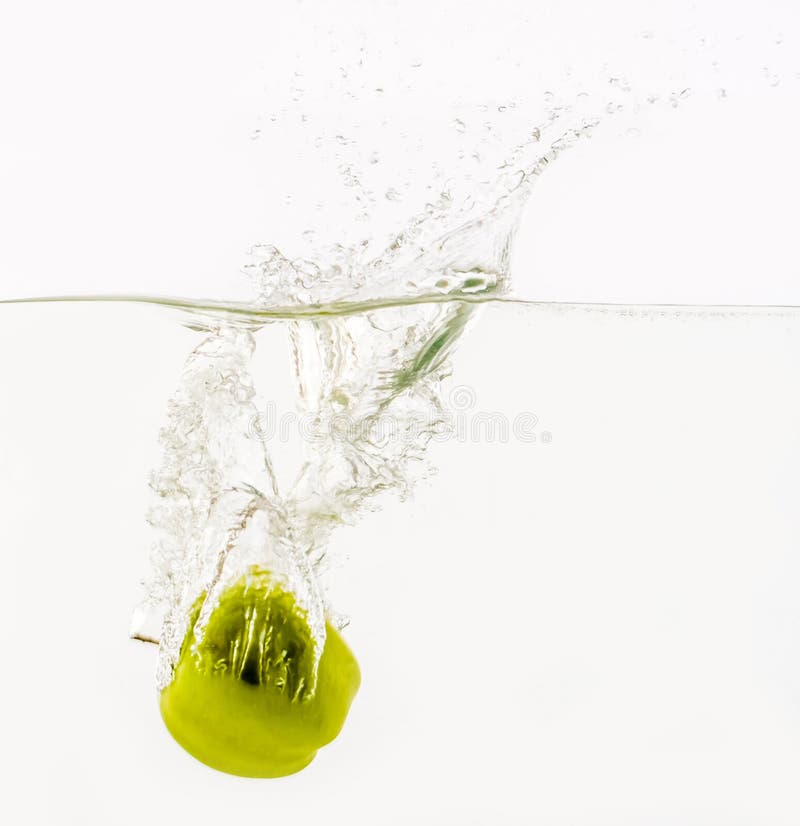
{"x":127,"y":162}
{"x":599,"y":630}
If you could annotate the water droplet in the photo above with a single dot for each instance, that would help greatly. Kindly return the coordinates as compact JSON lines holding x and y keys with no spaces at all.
{"x":255,"y":134}
{"x":392,"y":194}
{"x":459,"y":125}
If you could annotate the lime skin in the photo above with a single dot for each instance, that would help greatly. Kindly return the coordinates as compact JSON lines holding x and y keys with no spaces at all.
{"x":244,"y":700}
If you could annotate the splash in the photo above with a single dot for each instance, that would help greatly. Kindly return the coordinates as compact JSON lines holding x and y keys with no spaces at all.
{"x":370,"y":382}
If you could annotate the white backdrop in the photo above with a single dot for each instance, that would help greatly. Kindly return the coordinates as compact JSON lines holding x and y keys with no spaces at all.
{"x":127,"y":159}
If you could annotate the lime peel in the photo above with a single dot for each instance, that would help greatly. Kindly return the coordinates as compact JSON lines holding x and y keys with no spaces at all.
{"x":247,"y":696}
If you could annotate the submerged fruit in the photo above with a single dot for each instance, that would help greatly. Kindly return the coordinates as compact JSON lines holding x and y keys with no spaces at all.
{"x":244,"y":699}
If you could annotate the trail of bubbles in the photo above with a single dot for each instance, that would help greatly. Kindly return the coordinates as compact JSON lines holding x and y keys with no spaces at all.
{"x":219,"y":508}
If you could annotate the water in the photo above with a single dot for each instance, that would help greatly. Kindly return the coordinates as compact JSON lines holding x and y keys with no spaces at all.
{"x":597,"y":597}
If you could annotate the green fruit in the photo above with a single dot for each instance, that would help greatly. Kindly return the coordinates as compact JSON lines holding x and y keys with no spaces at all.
{"x":245,"y":699}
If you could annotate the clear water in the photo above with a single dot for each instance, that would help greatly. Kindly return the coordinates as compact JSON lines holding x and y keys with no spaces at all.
{"x":596,"y":590}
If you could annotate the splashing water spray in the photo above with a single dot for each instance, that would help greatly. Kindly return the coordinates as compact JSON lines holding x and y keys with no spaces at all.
{"x":253,"y":672}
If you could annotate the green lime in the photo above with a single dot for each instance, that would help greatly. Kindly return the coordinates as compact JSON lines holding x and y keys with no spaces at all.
{"x":244,"y":700}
